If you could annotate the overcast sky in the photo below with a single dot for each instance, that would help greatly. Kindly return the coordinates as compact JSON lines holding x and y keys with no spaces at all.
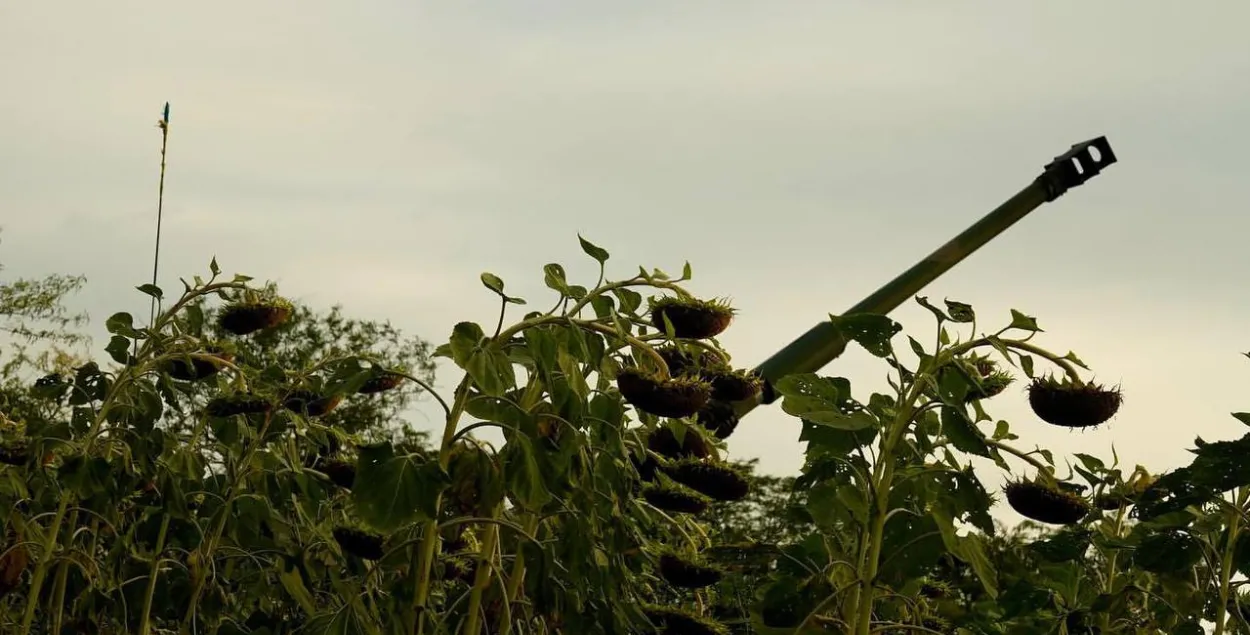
{"x":799,"y":154}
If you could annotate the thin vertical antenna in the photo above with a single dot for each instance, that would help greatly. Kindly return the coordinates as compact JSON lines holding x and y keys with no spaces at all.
{"x":163,"y":124}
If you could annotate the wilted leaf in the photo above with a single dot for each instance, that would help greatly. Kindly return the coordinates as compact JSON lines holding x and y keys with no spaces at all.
{"x":401,"y":488}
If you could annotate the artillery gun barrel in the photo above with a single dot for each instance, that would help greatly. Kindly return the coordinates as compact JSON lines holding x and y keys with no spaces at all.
{"x":822,"y":343}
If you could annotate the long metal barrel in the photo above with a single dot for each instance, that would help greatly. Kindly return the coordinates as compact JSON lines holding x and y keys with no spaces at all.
{"x":822,"y":344}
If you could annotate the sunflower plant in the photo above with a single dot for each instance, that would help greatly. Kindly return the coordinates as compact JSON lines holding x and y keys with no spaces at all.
{"x":610,"y":411}
{"x":889,"y":483}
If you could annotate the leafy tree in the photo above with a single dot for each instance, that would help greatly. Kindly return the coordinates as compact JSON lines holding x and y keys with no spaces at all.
{"x":38,"y":334}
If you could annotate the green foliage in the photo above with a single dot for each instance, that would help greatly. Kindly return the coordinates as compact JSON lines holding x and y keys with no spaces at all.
{"x":213,"y":482}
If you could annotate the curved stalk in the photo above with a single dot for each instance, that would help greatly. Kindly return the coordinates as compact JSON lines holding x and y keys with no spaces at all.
{"x":63,"y":573}
{"x":862,"y":594}
{"x":517,"y":578}
{"x":1020,"y":454}
{"x":45,"y":561}
{"x":423,"y":556}
{"x":1109,"y":577}
{"x":145,"y":618}
{"x":1226,"y":566}
{"x":481,"y":580}
{"x":211,"y":543}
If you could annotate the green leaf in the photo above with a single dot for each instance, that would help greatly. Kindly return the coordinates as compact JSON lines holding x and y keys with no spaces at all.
{"x":493,"y":282}
{"x":938,"y":313}
{"x":522,"y":474}
{"x":119,"y":349}
{"x":965,"y":436}
{"x":152,"y":290}
{"x":917,"y":348}
{"x":1002,"y":432}
{"x":212,"y":266}
{"x":630,"y":300}
{"x":1189,"y":627}
{"x":194,"y":316}
{"x":293,"y":582}
{"x":571,"y":368}
{"x":121,"y":324}
{"x":86,"y":477}
{"x":229,"y":432}
{"x":826,"y":440}
{"x":968,"y":549}
{"x":1023,"y":322}
{"x":911,"y":545}
{"x":1065,"y":546}
{"x":871,"y":331}
{"x":1091,"y":463}
{"x":960,"y":312}
{"x":553,"y":277}
{"x":953,"y":386}
{"x":1243,"y":417}
{"x":820,"y":401}
{"x":1026,"y":363}
{"x":1075,"y":360}
{"x":499,"y":410}
{"x":603,"y":306}
{"x":594,"y":251}
{"x":491,"y":369}
{"x":824,"y":508}
{"x":465,"y":339}
{"x":686,"y":271}
{"x":401,"y":488}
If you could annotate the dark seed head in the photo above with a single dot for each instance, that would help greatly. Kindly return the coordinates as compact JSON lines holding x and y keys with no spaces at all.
{"x":675,"y":398}
{"x":715,"y":480}
{"x":1072,"y":405}
{"x":691,"y":318}
{"x":663,"y":441}
{"x":244,"y":318}
{"x":691,"y":360}
{"x":340,"y":471}
{"x":1110,"y":502}
{"x":15,"y":453}
{"x":988,"y":378}
{"x":676,"y":621}
{"x":1046,"y":504}
{"x":675,"y":500}
{"x":646,"y":467}
{"x":195,"y":368}
{"x":719,"y":417}
{"x":237,"y":404}
{"x":934,"y":589}
{"x":735,"y":386}
{"x":687,"y":574}
{"x":359,"y":543}
{"x":459,"y":570}
{"x":381,"y":383}
{"x":310,"y":403}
